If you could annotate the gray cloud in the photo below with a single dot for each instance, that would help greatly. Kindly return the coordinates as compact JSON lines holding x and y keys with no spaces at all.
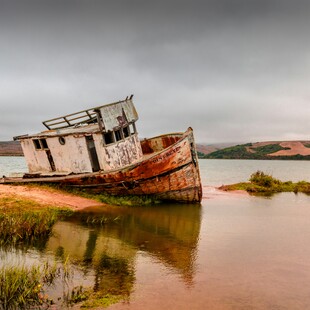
{"x":233,"y":70}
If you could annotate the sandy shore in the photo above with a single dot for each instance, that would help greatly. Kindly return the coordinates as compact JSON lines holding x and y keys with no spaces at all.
{"x":210,"y":192}
{"x":57,"y":198}
{"x":48,"y":196}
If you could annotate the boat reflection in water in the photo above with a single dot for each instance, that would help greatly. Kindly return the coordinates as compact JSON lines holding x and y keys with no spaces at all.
{"x":106,"y":242}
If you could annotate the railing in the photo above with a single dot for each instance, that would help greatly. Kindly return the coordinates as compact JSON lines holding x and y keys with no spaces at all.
{"x":82,"y":117}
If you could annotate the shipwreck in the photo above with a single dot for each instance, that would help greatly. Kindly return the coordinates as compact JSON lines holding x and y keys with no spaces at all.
{"x":98,"y":149}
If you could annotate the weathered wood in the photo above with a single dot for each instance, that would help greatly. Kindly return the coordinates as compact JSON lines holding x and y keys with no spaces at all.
{"x":170,"y":173}
{"x":108,"y":156}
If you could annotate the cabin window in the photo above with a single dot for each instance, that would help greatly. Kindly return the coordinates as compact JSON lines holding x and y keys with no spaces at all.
{"x":62,"y":140}
{"x":108,"y":137}
{"x":37,"y":144}
{"x":126,"y":132}
{"x":132,"y":128}
{"x":44,"y":144}
{"x":40,"y":144}
{"x":118,"y":135}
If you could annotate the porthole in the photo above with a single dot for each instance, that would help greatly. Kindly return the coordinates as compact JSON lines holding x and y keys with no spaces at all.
{"x":62,"y":140}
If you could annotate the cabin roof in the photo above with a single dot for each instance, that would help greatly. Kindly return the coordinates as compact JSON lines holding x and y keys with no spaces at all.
{"x":83,"y":129}
{"x":110,"y":117}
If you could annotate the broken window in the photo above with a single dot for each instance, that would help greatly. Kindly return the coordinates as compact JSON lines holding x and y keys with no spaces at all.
{"x":108,"y":137}
{"x":37,"y":144}
{"x":132,"y":128}
{"x":118,"y":135}
{"x":44,"y":143}
{"x":126,"y":132}
{"x":40,"y":144}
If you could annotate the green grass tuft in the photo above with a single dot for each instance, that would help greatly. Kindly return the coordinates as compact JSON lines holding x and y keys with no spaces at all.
{"x":128,"y":200}
{"x":260,"y":182}
{"x":24,"y":221}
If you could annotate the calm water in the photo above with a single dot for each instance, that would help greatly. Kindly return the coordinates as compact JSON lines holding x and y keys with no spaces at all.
{"x":219,"y":171}
{"x":233,"y":252}
{"x":213,"y":172}
{"x":11,"y":165}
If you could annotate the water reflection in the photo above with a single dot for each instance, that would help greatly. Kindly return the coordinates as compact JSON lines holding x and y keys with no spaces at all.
{"x":106,"y":241}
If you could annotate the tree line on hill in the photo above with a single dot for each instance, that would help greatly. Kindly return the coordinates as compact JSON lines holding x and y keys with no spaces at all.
{"x":243,"y":151}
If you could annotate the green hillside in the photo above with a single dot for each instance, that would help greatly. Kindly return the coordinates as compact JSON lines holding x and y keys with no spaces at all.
{"x":257,"y":151}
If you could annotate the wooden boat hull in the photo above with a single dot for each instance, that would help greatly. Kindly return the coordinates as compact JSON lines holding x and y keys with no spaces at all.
{"x":168,"y":174}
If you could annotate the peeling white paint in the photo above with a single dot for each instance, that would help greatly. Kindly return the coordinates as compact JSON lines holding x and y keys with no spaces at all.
{"x":37,"y":160}
{"x":120,"y":114}
{"x":70,"y":157}
{"x":71,"y":150}
{"x":73,"y":156}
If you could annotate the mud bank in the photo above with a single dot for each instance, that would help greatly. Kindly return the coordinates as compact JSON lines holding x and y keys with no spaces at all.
{"x":48,"y":196}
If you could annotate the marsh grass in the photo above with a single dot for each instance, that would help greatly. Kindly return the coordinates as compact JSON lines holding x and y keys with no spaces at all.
{"x":100,"y":301}
{"x":20,"y":287}
{"x":24,"y":221}
{"x":126,"y":200}
{"x":130,"y":200}
{"x":23,"y":287}
{"x":261,"y":182}
{"x":78,"y":294}
{"x":99,"y":220}
{"x":27,"y":287}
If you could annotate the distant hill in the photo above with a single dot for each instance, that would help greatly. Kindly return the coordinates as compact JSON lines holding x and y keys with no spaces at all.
{"x":204,"y":149}
{"x":10,"y":148}
{"x":299,"y":150}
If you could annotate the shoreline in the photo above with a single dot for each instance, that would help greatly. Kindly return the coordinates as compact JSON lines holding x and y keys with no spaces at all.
{"x":210,"y":192}
{"x":47,"y":196}
{"x":58,"y":198}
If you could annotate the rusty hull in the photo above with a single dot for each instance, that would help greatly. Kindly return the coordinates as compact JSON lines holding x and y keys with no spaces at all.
{"x":169,"y":171}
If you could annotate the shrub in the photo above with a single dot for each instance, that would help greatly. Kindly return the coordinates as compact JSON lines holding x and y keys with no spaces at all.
{"x":262,"y":179}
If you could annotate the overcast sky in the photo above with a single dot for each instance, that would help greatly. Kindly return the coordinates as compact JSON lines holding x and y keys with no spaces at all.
{"x":234,"y":70}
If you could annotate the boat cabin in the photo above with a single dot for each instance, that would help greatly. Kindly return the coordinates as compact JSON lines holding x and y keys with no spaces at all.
{"x":101,"y":138}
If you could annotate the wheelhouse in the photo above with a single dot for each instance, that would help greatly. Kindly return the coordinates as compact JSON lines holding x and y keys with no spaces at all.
{"x":101,"y":138}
